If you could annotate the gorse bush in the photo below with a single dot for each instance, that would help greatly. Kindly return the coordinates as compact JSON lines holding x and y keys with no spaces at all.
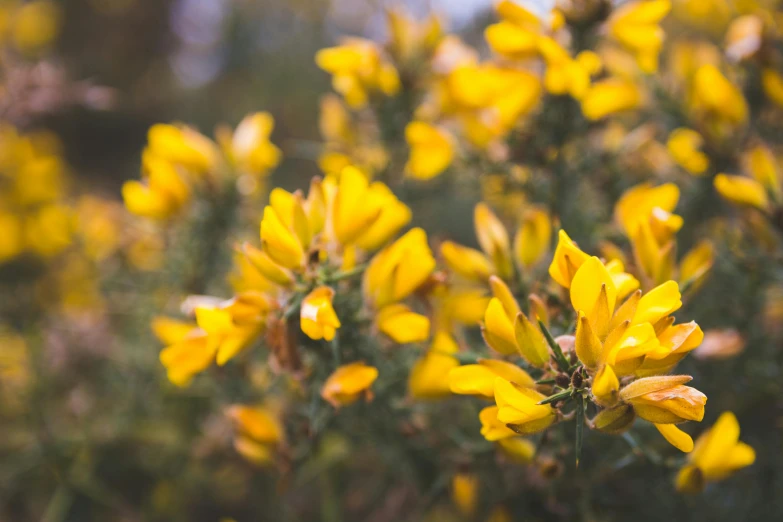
{"x":525,"y":267}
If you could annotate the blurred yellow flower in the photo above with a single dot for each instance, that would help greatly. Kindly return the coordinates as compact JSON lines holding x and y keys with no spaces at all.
{"x":479,"y":379}
{"x":717,"y":454}
{"x":258,"y":432}
{"x":403,"y":325}
{"x":399,"y":269}
{"x":683,"y":145}
{"x":742,"y":191}
{"x":636,"y":26}
{"x":318,"y":319}
{"x":518,"y":407}
{"x":610,"y":96}
{"x":250,"y":148}
{"x":429,"y":375}
{"x":348,"y":383}
{"x":431,"y":150}
{"x":358,"y":70}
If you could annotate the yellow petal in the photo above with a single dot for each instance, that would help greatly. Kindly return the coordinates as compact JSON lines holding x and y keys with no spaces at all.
{"x":590,"y":282}
{"x":429,"y":376}
{"x":498,"y":329}
{"x":651,"y":384}
{"x":658,"y":303}
{"x":467,"y":262}
{"x":532,"y":238}
{"x":493,"y":238}
{"x":676,"y":437}
{"x":609,"y":97}
{"x":403,"y":325}
{"x":588,"y":347}
{"x":742,"y":191}
{"x":606,"y":385}
{"x":530,"y":342}
{"x":431,"y":150}
{"x":567,"y":260}
{"x":491,"y":428}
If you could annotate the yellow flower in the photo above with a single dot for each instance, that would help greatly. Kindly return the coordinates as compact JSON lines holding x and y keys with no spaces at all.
{"x":762,"y":165}
{"x":742,"y":191}
{"x":280,"y":240}
{"x":250,"y":147}
{"x":683,"y":145}
{"x":402,"y":324}
{"x":365,"y":214}
{"x":479,"y":379}
{"x":410,"y":37}
{"x":772,"y":82}
{"x":518,"y":449}
{"x":674,"y":343}
{"x":429,"y":376}
{"x":11,"y":236}
{"x":718,"y":453}
{"x":610,"y":96}
{"x":511,"y":40}
{"x":431,"y":150}
{"x":187,"y":356}
{"x":696,"y":264}
{"x":235,"y":325}
{"x":635,"y":25}
{"x":265,"y":265}
{"x":519,"y":409}
{"x":491,"y":428}
{"x":464,"y":493}
{"x":532,"y":239}
{"x":34,"y":25}
{"x":469,"y":263}
{"x":164,"y":194}
{"x":259,"y":431}
{"x":565,"y":75}
{"x":566,"y":261}
{"x":715,"y":96}
{"x":318,"y":319}
{"x":348,"y":383}
{"x":493,"y":238}
{"x":399,"y":269}
{"x":507,"y":330}
{"x":357,"y":70}
{"x":664,"y":400}
{"x":182,"y":146}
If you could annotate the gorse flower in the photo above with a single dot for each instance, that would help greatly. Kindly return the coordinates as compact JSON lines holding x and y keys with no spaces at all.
{"x":358,"y":70}
{"x":718,"y":453}
{"x":636,"y":26}
{"x":317,"y":317}
{"x":348,"y":383}
{"x":259,"y":431}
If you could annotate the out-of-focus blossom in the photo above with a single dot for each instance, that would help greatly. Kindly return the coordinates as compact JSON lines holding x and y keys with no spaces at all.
{"x":318,"y":318}
{"x":636,"y":25}
{"x":259,"y":431}
{"x":431,"y":150}
{"x":358,"y":70}
{"x":717,"y":454}
{"x":348,"y":383}
{"x":683,"y":145}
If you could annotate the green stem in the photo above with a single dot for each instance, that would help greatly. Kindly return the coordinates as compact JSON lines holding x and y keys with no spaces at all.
{"x":565,"y":394}
{"x":562,"y":362}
